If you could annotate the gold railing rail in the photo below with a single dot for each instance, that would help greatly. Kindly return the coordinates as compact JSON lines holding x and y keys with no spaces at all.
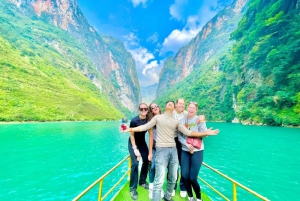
{"x":101,"y":180}
{"x":234,"y":184}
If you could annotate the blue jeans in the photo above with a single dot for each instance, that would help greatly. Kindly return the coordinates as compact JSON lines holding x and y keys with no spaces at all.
{"x":190,"y":167}
{"x":152,"y":171}
{"x":166,"y":157}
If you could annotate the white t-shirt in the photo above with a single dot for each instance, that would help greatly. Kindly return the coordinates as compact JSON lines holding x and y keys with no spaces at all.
{"x":192,"y":126}
{"x":179,"y":116}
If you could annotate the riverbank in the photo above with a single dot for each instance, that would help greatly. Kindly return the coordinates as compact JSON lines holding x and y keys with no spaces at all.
{"x":21,"y":122}
{"x":248,"y":123}
{"x":245,"y":123}
{"x":253,"y":123}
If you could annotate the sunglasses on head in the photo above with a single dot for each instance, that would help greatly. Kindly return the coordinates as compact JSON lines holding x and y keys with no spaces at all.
{"x":143,"y":109}
{"x":154,"y":107}
{"x":193,"y":102}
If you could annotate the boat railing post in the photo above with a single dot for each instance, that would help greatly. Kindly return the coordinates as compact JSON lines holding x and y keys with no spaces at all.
{"x":129,"y":168}
{"x":234,"y":191}
{"x":100,"y":190}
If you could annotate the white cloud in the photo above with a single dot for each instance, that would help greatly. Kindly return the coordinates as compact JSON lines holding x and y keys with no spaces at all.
{"x":153,"y":38}
{"x":138,"y":2}
{"x":132,"y":39}
{"x":179,"y":38}
{"x":150,"y":65}
{"x":147,"y":67}
{"x":152,"y":73}
{"x":193,"y":23}
{"x":141,"y":57}
{"x":177,"y":8}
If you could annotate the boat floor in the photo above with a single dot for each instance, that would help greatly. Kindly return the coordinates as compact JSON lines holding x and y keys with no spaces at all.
{"x":124,"y":194}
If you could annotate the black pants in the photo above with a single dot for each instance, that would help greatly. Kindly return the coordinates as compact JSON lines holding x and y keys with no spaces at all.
{"x":135,"y":165}
{"x":190,"y":168}
{"x":178,"y":146}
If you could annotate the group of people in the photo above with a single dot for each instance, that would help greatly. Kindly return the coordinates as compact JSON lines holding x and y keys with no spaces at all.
{"x":168,"y":147}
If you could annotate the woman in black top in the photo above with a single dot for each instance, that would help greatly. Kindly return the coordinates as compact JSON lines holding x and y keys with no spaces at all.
{"x":138,"y":148}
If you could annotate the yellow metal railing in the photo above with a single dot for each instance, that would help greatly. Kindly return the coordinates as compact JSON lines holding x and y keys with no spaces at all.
{"x":234,"y":184}
{"x":101,"y":180}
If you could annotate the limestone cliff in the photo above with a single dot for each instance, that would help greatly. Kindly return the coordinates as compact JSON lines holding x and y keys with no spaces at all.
{"x":254,"y":78}
{"x":108,"y":54}
{"x":208,"y":42}
{"x":148,"y":93}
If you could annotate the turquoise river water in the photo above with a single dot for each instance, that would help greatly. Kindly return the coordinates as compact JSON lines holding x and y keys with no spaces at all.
{"x":56,"y":161}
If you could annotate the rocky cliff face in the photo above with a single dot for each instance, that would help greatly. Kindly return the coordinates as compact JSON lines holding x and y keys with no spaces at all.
{"x":252,"y":80}
{"x":209,"y":42}
{"x":108,"y":54}
{"x":148,"y":93}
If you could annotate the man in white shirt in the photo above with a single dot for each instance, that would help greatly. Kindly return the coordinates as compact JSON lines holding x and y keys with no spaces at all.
{"x":178,"y":114}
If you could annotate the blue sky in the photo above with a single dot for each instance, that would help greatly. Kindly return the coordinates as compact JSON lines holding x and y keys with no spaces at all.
{"x":151,"y":30}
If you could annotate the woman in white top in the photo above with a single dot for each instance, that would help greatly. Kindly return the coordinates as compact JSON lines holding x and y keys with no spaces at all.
{"x":191,"y":157}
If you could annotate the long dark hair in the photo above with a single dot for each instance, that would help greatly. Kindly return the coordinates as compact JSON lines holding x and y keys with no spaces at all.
{"x":150,"y":113}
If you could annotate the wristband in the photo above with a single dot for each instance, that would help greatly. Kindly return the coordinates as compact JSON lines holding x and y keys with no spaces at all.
{"x":134,"y":147}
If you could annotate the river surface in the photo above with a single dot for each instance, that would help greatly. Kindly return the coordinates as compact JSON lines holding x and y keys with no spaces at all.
{"x":56,"y":161}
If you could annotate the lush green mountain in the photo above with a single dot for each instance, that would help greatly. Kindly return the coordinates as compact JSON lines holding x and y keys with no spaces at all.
{"x":149,"y":93}
{"x":266,"y":59}
{"x":212,"y":40}
{"x":48,"y":73}
{"x":256,"y":80}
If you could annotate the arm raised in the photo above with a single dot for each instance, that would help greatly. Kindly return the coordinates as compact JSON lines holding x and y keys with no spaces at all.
{"x":187,"y":132}
{"x":205,"y":133}
{"x":144,"y":127}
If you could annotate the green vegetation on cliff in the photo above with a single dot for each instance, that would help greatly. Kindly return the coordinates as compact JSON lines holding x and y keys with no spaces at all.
{"x":256,"y":80}
{"x":40,"y":78}
{"x":268,"y":44}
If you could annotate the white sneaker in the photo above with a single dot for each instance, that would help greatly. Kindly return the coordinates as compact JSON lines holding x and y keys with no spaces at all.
{"x":162,"y":194}
{"x":183,"y":194}
{"x":150,"y":191}
{"x":191,"y":199}
{"x":173,"y":193}
{"x":199,"y":199}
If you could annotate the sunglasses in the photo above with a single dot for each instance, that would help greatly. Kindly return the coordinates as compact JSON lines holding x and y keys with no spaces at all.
{"x":143,"y":109}
{"x":193,"y":102}
{"x":154,"y":107}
